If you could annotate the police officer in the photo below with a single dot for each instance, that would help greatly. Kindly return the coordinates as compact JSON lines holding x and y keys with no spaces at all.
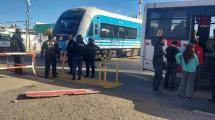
{"x":70,"y":53}
{"x":51,"y":48}
{"x":90,"y":56}
{"x":78,"y":49}
{"x":17,"y":45}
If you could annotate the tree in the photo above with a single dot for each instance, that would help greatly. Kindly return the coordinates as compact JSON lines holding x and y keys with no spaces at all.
{"x":48,"y":32}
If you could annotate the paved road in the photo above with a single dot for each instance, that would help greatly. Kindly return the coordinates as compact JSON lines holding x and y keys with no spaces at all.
{"x":137,"y":83}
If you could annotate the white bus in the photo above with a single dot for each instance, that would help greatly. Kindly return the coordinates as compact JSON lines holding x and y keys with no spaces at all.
{"x":160,"y":19}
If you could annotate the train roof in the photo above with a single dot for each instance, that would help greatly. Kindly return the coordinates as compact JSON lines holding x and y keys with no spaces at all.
{"x":95,"y":11}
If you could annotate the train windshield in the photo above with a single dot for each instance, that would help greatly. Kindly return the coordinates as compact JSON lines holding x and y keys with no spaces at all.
{"x":68,"y":23}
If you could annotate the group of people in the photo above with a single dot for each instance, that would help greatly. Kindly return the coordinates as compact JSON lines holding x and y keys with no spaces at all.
{"x":77,"y":50}
{"x":191,"y":61}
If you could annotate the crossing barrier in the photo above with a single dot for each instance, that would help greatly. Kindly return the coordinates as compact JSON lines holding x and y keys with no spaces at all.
{"x":105,"y":73}
{"x":100,"y":67}
{"x":63,"y":66}
{"x":117,"y":70}
{"x":34,"y":61}
{"x":19,"y":65}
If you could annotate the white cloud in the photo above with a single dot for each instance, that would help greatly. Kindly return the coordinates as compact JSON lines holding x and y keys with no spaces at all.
{"x":118,"y":10}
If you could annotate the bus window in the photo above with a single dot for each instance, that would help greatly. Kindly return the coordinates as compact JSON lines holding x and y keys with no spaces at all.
{"x":212,"y":28}
{"x":4,"y":37}
{"x":96,"y":29}
{"x":168,"y":28}
{"x":168,"y":23}
{"x":90,"y":32}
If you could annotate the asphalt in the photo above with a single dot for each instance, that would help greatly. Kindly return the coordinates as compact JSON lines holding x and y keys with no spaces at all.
{"x":135,"y":83}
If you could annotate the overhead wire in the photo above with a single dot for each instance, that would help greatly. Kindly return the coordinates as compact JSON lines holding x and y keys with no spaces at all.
{"x":110,"y":2}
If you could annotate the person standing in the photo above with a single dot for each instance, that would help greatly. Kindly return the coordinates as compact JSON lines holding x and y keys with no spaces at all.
{"x":90,"y":56}
{"x":70,"y":53}
{"x":171,"y":66}
{"x":17,"y":45}
{"x":210,"y":65}
{"x":199,"y":53}
{"x":51,"y":49}
{"x":158,"y":64}
{"x":189,"y":62}
{"x":78,"y":49}
{"x":203,"y":30}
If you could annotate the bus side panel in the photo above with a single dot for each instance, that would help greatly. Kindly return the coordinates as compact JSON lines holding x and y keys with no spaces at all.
{"x":142,"y":47}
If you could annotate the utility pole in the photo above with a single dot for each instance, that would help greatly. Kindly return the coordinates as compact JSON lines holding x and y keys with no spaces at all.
{"x":140,"y":2}
{"x":26,"y":34}
{"x":28,"y":11}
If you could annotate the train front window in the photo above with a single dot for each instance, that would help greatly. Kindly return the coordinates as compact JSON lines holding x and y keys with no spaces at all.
{"x":68,"y":23}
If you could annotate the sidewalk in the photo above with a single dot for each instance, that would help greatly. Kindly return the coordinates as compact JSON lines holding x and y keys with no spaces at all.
{"x":33,"y":51}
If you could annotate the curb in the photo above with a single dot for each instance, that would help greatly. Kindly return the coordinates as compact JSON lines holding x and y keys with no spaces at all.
{"x":133,"y":58}
{"x":204,"y":113}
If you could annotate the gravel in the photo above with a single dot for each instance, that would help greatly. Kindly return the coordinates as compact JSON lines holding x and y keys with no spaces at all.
{"x":103,"y":106}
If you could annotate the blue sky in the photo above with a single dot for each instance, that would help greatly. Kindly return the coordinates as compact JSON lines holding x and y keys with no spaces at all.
{"x":48,"y":11}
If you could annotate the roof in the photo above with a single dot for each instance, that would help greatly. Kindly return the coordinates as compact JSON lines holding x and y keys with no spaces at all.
{"x":110,"y":14}
{"x":189,"y":3}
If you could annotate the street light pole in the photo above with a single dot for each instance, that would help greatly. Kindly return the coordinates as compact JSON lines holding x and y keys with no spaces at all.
{"x":27,"y":31}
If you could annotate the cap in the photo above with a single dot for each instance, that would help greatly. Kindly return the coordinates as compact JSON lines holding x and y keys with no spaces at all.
{"x":18,"y":30}
{"x":50,"y":37}
{"x":79,"y":37}
{"x":91,"y":39}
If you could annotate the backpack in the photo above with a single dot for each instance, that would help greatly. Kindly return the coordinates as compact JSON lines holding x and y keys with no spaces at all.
{"x":13,"y":44}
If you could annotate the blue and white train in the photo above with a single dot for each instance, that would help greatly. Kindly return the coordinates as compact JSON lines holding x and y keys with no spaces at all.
{"x":115,"y":34}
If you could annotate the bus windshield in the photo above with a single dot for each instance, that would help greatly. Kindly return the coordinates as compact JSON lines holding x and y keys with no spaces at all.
{"x":4,"y":37}
{"x":68,"y":23}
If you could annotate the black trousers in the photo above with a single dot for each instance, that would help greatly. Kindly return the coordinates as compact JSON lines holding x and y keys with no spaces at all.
{"x":171,"y":71}
{"x":212,"y":81}
{"x":18,"y":59}
{"x":203,"y":33}
{"x":198,"y":72}
{"x":90,"y":61}
{"x":70,"y":61}
{"x":50,"y":59}
{"x":158,"y":77}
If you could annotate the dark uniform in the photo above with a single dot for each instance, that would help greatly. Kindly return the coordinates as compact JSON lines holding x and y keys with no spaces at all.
{"x":17,"y":45}
{"x":210,"y":65}
{"x":79,"y":51}
{"x":70,"y":55}
{"x":90,"y":57}
{"x":51,"y":49}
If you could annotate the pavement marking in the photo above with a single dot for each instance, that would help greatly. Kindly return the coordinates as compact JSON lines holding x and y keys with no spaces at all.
{"x":204,"y":113}
{"x":67,"y":77}
{"x":40,"y":78}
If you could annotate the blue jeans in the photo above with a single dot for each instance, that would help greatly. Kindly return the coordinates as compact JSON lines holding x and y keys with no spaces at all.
{"x":77,"y":61}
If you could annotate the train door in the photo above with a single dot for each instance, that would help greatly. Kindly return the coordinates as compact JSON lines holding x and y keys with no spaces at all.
{"x":96,"y":28}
